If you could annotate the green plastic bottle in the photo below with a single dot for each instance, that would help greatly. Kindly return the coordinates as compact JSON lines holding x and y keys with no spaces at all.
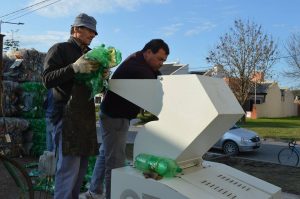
{"x":165,"y":167}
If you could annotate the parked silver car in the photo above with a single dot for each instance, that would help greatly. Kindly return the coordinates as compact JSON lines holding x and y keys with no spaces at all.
{"x":238,"y":139}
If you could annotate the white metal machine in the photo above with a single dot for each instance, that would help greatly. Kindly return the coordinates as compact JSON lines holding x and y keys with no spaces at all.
{"x":193,"y":111}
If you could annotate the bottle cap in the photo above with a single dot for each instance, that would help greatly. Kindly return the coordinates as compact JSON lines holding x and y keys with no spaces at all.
{"x":178,"y":170}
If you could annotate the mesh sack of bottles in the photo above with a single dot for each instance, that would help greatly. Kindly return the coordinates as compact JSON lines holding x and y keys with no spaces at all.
{"x":107,"y":57}
{"x":10,"y":100}
{"x":38,"y":128}
{"x":33,"y":99}
{"x":11,"y":131}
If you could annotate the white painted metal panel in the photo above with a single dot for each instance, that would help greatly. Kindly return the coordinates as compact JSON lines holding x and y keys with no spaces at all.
{"x":193,"y":111}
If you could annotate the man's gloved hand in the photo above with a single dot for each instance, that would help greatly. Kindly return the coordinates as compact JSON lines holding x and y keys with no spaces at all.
{"x":106,"y":74}
{"x":83,"y":65}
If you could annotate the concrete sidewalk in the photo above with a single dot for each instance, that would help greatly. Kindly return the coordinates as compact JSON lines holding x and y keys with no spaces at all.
{"x":278,"y":142}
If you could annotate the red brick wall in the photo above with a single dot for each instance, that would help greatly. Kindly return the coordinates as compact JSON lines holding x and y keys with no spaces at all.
{"x":253,"y":112}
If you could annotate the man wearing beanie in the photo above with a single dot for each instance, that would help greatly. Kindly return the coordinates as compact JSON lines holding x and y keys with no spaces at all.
{"x":73,"y":113}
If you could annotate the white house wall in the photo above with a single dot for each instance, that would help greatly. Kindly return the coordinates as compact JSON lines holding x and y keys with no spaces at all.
{"x":274,"y":107}
{"x":289,"y":108}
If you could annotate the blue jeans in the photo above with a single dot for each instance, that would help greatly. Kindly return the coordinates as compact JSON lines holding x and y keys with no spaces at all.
{"x":70,"y":170}
{"x":112,"y":152}
{"x":49,"y":134}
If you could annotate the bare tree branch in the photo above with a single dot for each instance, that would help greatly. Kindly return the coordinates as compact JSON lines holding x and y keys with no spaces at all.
{"x":293,"y":58}
{"x":244,"y":51}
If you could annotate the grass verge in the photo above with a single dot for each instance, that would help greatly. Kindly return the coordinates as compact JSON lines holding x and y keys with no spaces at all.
{"x":276,"y":128}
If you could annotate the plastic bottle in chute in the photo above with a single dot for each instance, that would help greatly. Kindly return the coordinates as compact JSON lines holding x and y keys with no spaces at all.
{"x":165,"y":167}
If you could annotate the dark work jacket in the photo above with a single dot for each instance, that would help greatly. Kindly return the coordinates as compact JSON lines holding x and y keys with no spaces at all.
{"x":71,"y":101}
{"x":134,"y":67}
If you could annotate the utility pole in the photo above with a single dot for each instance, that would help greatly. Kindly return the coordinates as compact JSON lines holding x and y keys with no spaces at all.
{"x":1,"y":59}
{"x":1,"y":67}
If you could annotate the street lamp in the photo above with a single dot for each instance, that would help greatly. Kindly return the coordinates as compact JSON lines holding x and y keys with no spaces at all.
{"x":1,"y":22}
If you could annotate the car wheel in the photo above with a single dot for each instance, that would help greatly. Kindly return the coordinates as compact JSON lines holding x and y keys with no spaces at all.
{"x":230,"y":148}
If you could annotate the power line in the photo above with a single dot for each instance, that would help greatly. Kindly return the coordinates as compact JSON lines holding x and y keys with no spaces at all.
{"x":34,"y":10}
{"x":24,"y":8}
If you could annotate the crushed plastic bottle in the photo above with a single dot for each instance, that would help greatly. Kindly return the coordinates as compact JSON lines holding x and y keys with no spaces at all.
{"x":165,"y":167}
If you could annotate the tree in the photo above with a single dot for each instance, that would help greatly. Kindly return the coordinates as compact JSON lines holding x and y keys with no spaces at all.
{"x":293,"y":58}
{"x":243,"y":52}
{"x":11,"y":44}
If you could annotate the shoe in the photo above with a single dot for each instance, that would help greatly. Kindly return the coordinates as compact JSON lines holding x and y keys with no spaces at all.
{"x":91,"y":195}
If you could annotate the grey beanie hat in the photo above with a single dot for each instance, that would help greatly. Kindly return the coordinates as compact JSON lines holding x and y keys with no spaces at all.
{"x":86,"y":21}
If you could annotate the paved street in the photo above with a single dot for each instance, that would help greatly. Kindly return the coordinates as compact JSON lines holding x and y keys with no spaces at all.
{"x":267,"y":152}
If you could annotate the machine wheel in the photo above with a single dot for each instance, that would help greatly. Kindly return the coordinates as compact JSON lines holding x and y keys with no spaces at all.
{"x":230,"y":148}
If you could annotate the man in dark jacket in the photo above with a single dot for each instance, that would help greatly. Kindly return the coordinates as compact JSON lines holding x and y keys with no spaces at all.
{"x":73,"y":112}
{"x":116,"y":113}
